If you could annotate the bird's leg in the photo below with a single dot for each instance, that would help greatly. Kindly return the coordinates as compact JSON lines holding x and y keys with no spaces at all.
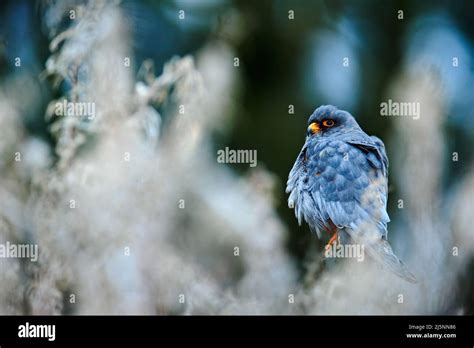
{"x":333,"y":239}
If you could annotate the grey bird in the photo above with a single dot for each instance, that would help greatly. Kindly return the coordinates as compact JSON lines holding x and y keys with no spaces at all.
{"x":339,"y":184}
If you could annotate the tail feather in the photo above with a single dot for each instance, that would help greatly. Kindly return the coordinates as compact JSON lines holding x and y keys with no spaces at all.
{"x":382,"y":252}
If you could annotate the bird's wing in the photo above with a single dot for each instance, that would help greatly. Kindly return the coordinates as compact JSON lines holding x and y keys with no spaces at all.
{"x":348,"y":178}
{"x":375,"y":149}
{"x":379,"y":248}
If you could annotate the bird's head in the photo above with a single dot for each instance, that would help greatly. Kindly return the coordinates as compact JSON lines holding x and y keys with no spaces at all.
{"x":327,"y":120}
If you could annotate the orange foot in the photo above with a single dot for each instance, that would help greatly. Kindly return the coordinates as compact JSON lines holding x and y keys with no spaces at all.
{"x":332,"y":240}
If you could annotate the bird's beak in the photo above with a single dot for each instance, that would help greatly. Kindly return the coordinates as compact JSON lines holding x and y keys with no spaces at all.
{"x":313,"y":128}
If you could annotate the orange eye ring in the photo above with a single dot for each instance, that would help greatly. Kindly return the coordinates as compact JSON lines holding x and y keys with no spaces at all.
{"x":328,"y":123}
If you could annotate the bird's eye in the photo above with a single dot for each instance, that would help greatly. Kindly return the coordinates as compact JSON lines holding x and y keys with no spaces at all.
{"x":328,"y":123}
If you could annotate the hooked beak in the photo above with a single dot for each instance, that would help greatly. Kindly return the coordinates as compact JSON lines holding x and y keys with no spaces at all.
{"x":313,"y":128}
